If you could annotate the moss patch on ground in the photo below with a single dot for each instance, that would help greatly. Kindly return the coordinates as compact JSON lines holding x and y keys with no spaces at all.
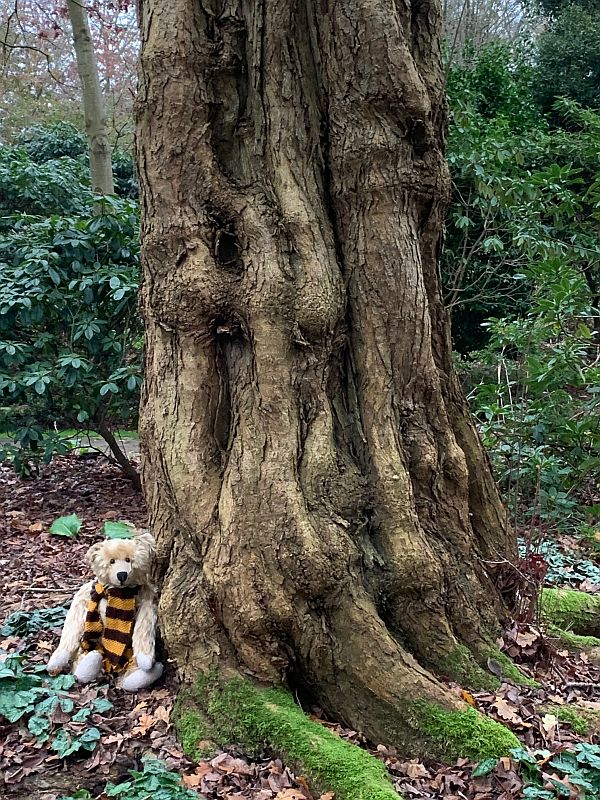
{"x":576,"y":720}
{"x":192,"y":730}
{"x":258,"y":718}
{"x":571,"y":610}
{"x":460,"y":666}
{"x":466,"y":734}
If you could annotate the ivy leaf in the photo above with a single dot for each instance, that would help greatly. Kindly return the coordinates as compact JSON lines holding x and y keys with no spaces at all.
{"x":484,"y":767}
{"x":100,"y":705}
{"x":66,"y":526}
{"x":38,"y":725}
{"x":537,"y":792}
{"x":588,"y":754}
{"x":118,"y":530}
{"x":63,"y":744}
{"x":81,"y":715}
{"x":63,"y":682}
{"x":89,"y":738}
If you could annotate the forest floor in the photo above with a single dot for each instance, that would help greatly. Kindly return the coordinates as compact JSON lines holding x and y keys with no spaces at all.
{"x":93,"y":735}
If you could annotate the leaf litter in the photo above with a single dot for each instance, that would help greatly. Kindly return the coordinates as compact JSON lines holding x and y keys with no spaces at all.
{"x":40,"y":572}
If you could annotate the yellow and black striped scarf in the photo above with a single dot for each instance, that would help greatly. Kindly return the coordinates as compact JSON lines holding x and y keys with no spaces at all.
{"x":113,"y":638}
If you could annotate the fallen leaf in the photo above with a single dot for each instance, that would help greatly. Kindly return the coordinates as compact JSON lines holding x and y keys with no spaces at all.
{"x":526,"y":639}
{"x":495,"y":667}
{"x":468,"y":698}
{"x":549,"y":723}
{"x":506,"y":710}
{"x":145,"y":722}
{"x":161,"y":713}
{"x":414,"y":769}
{"x":229,"y":764}
{"x":37,"y":527}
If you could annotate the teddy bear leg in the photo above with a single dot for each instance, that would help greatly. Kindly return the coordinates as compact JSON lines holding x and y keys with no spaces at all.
{"x":59,"y":661}
{"x":141,"y":678}
{"x":88,"y":667}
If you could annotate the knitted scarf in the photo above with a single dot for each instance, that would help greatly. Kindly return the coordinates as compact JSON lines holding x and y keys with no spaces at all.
{"x":113,"y":637}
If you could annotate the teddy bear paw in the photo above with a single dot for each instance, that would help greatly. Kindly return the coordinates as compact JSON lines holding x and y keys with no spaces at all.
{"x":144,"y":661}
{"x":140,"y":679}
{"x":88,"y":668}
{"x":59,"y":661}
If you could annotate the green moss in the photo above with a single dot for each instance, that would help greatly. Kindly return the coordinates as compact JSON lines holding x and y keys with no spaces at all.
{"x":255,"y":718}
{"x":191,"y":728}
{"x":466,"y":734}
{"x":570,"y":609}
{"x":577,"y":722}
{"x":574,"y":640}
{"x":509,"y":668}
{"x":461,"y":667}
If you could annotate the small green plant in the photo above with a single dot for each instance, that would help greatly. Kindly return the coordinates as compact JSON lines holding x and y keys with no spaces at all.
{"x":155,"y":781}
{"x":118,"y":530}
{"x":34,"y":696}
{"x":66,"y":526}
{"x":25,"y":623}
{"x":540,"y":420}
{"x":579,"y":767}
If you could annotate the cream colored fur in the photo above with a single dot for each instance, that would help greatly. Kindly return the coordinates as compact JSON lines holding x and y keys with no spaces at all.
{"x":109,"y":561}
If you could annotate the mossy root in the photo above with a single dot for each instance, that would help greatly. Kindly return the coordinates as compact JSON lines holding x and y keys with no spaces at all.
{"x":572,"y":611}
{"x":466,"y":734}
{"x":463,"y":667}
{"x":509,"y":669}
{"x":573,"y":640}
{"x":257,"y":719}
{"x":237,"y":712}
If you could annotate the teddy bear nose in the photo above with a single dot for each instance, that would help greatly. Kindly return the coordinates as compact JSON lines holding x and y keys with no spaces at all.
{"x":122,"y":576}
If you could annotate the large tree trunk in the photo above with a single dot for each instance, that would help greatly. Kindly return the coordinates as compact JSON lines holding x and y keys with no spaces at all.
{"x":324,"y":510}
{"x":93,"y":101}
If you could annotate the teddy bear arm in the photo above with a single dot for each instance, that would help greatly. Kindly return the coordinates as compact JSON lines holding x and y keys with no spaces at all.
{"x":144,"y":631}
{"x":75,"y":621}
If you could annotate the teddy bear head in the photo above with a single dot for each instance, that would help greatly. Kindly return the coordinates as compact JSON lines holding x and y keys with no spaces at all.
{"x":122,"y":562}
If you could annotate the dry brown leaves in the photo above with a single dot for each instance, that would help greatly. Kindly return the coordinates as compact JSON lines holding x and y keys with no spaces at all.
{"x":39,"y":570}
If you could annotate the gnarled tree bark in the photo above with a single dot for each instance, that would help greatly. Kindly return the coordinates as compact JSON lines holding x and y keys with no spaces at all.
{"x":324,"y":510}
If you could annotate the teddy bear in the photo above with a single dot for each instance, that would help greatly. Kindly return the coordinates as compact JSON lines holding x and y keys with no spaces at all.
{"x":111,"y":623}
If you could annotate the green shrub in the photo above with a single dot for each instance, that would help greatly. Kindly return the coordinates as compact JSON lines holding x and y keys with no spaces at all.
{"x":70,"y":336}
{"x":540,"y":419}
{"x":48,"y":142}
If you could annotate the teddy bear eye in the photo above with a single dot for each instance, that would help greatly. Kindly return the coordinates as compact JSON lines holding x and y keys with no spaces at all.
{"x":112,"y":561}
{"x":128,"y":560}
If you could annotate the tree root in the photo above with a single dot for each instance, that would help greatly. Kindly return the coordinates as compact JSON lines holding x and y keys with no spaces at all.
{"x":571,"y":611}
{"x":236,"y":711}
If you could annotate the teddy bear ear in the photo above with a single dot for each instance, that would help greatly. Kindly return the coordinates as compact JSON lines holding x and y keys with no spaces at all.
{"x":92,"y":553}
{"x":146,"y":540}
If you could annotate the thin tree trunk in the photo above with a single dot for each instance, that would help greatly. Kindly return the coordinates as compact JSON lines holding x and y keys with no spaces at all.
{"x":325,"y":512}
{"x":93,"y":101}
{"x":119,"y":455}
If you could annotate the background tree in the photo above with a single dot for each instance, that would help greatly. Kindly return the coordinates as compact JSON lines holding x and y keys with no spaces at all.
{"x":569,"y":55}
{"x":39,"y":82}
{"x":93,"y":101}
{"x":469,"y":25}
{"x":325,"y":513}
